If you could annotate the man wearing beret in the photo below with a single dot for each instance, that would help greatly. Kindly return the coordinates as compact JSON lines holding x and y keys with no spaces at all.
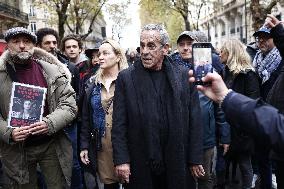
{"x":43,"y":143}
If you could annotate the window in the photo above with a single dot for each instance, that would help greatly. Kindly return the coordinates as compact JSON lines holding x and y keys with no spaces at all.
{"x":32,"y":11}
{"x":33,"y":27}
{"x":45,"y":15}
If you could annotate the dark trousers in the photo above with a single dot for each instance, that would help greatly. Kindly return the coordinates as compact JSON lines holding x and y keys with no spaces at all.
{"x":220,"y":168}
{"x":158,"y":182}
{"x":244,"y":161}
{"x":264,"y":167}
{"x":76,"y":179}
{"x":279,"y":174}
{"x":206,"y":182}
{"x":111,"y":186}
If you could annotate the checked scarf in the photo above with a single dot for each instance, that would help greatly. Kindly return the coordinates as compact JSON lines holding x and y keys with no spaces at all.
{"x":266,"y":65}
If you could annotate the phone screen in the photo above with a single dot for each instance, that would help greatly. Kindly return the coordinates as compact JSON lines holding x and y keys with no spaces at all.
{"x":202,"y":61}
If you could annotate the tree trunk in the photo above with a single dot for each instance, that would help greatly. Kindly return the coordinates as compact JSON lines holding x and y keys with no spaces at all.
{"x":198,"y":16}
{"x":61,"y":23}
{"x":186,"y":23}
{"x":77,"y":19}
{"x":61,"y":9}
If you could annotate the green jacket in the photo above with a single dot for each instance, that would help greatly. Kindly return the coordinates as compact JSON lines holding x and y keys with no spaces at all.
{"x":62,"y":108}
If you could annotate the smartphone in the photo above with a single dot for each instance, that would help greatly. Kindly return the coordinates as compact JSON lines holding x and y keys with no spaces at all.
{"x":202,"y":61}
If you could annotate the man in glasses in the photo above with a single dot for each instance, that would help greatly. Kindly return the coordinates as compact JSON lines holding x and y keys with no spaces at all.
{"x":267,"y":61}
{"x":268,"y":64}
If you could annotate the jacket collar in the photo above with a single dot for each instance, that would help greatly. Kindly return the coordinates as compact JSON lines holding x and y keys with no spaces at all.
{"x":140,"y":74}
{"x":45,"y":59}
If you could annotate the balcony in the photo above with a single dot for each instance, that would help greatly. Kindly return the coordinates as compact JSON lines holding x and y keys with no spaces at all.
{"x":13,"y":13}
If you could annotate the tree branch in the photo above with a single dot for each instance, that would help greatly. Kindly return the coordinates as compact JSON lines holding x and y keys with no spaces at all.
{"x":90,"y":30}
{"x":271,"y":5}
{"x":198,"y":15}
{"x":69,"y":27}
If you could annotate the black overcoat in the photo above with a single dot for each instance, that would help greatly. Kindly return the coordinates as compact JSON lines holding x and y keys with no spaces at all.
{"x":184,"y":145}
{"x":245,"y":83}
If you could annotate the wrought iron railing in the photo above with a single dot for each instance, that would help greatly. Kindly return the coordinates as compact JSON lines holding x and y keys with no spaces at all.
{"x":13,"y":12}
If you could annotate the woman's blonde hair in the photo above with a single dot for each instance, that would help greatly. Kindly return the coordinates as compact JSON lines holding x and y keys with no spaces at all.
{"x":238,"y":58}
{"x":119,"y":52}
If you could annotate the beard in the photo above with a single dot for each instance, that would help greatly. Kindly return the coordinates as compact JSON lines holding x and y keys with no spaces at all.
{"x":53,"y":52}
{"x":22,"y":57}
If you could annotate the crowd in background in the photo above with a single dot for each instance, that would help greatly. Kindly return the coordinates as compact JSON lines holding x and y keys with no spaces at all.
{"x":127,"y":125}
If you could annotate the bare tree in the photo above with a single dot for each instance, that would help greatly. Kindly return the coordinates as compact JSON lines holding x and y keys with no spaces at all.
{"x":73,"y":14}
{"x":82,"y":12}
{"x":190,"y":10}
{"x":60,"y":7}
{"x":259,"y":11}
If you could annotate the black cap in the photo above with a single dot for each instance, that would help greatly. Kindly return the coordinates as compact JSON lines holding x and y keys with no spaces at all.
{"x":89,"y":52}
{"x":264,"y":30}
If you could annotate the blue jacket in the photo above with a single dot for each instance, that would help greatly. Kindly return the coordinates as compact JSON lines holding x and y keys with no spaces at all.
{"x":214,"y":122}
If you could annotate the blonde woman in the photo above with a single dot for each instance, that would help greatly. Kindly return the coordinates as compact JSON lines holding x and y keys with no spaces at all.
{"x":240,"y":76}
{"x":97,"y":114}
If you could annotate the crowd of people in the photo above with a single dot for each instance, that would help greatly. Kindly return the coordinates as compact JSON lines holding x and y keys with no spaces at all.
{"x":133,"y":119}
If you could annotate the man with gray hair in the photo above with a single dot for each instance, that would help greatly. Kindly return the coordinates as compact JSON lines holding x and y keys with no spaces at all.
{"x":156,"y":134}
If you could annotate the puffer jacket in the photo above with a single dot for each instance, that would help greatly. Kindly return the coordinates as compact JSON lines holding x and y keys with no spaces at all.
{"x":62,"y":108}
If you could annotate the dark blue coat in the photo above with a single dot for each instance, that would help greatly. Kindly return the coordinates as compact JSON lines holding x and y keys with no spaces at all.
{"x":257,"y":118}
{"x":275,"y":96}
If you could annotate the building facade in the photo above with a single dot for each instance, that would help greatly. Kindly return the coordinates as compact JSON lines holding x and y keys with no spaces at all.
{"x":39,"y":17}
{"x":11,"y":15}
{"x":232,"y":19}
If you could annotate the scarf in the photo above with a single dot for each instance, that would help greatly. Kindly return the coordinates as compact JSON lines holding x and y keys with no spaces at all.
{"x":266,"y":65}
{"x":177,"y":59}
{"x":149,"y":100}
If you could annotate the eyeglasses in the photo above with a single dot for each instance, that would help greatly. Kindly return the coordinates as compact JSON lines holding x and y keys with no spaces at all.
{"x":262,"y":38}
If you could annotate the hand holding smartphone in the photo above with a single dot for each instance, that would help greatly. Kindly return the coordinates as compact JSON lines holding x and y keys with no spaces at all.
{"x":202,"y":61}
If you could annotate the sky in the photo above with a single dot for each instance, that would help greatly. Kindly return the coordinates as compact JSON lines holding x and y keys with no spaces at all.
{"x":130,"y":34}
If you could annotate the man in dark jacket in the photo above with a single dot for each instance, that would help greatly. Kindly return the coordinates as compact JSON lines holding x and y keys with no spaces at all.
{"x":156,"y":134}
{"x":268,"y":64}
{"x":212,"y":116}
{"x":48,"y":40}
{"x":275,"y":96}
